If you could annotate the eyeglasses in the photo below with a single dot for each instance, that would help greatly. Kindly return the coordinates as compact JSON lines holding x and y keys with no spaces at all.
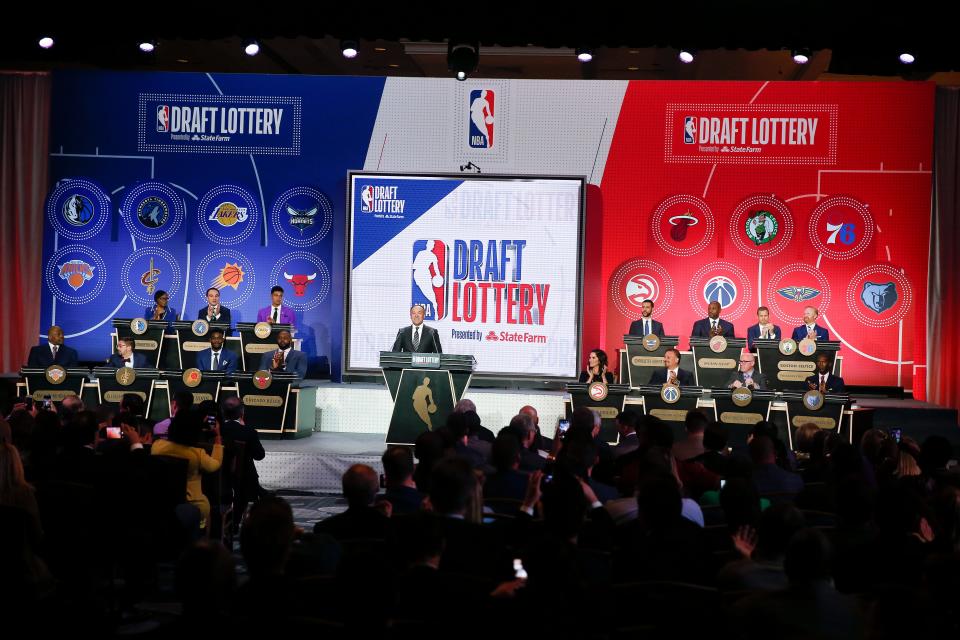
{"x":746,"y":361}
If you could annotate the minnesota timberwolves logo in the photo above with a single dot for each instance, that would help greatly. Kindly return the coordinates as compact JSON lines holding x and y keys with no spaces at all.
{"x":762,"y":228}
{"x":879,"y":297}
{"x":720,"y":289}
{"x":78,"y":210}
{"x":153,"y":212}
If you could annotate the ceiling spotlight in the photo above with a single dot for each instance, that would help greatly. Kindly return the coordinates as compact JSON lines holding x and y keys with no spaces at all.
{"x":251,"y":47}
{"x":349,"y":48}
{"x":462,"y":58}
{"x":907,"y":58}
{"x":147,"y":46}
{"x":686,"y":56}
{"x":801,"y":56}
{"x":45,"y":42}
{"x":584,"y":54}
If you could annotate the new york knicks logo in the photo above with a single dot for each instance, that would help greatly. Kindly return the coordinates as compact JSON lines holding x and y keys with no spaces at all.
{"x":76,"y":272}
{"x":78,"y":210}
{"x":429,"y":278}
{"x":228,"y":214}
{"x":689,"y":130}
{"x":482,"y":120}
{"x":163,"y":118}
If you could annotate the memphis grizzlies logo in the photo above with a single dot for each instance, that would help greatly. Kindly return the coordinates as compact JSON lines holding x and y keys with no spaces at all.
{"x":482,"y":107}
{"x":78,"y":210}
{"x":720,"y":289}
{"x":879,"y":297}
{"x":799,"y":294}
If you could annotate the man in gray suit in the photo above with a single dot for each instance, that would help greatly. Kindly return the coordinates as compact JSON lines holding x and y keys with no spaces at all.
{"x":285,"y":358}
{"x":747,"y":376}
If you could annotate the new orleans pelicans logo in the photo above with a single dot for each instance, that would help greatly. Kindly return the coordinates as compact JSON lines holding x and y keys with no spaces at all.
{"x":799,"y":294}
{"x":742,"y":396}
{"x":762,"y":228}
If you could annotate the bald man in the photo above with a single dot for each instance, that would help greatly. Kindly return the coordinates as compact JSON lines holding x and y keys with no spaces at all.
{"x":54,"y":352}
{"x":541,"y":441}
{"x":746,"y":375}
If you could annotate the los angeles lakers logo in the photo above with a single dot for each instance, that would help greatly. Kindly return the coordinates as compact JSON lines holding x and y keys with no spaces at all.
{"x":228,"y":214}
{"x":262,"y":330}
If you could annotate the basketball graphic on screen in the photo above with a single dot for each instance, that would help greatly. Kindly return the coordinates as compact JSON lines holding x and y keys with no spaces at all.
{"x":230,"y":276}
{"x":720,"y":290}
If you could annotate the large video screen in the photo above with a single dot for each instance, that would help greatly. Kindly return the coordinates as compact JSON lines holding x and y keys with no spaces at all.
{"x":495,"y":261}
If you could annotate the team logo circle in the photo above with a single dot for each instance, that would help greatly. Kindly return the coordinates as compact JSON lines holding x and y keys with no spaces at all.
{"x":670,"y":393}
{"x":75,"y":274}
{"x":788,"y":346}
{"x":841,"y":227}
{"x":55,"y":374}
{"x":192,"y":377}
{"x":637,"y":280}
{"x":598,"y":391}
{"x":795,"y":287}
{"x":262,"y":379}
{"x":302,"y":216}
{"x":229,"y":271}
{"x":148,"y":270}
{"x":153,"y":211}
{"x":879,"y":296}
{"x":307,"y":275}
{"x":200,"y":327}
{"x":813,"y":400}
{"x":139,"y":326}
{"x":262,"y":330}
{"x":761,"y":226}
{"x":718,"y":344}
{"x":683,"y":225}
{"x":722,"y":282}
{"x":651,"y":342}
{"x":742,"y":396}
{"x":807,"y":347}
{"x":227,"y":214}
{"x":78,"y":208}
{"x":125,"y":376}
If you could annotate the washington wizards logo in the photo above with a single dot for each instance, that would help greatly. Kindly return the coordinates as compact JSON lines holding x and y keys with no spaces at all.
{"x":78,"y":210}
{"x":720,"y":289}
{"x":301,"y":220}
{"x":879,"y":297}
{"x":762,"y":227}
{"x":799,"y":294}
{"x":153,"y":212}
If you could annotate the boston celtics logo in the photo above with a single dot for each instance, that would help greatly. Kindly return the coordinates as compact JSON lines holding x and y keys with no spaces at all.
{"x":762,"y":227}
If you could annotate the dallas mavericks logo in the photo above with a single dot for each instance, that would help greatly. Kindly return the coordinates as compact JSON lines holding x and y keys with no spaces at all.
{"x":301,"y":220}
{"x":153,"y":212}
{"x":762,"y":228}
{"x":799,"y":294}
{"x":720,"y":289}
{"x":879,"y":297}
{"x":689,"y":130}
{"x":78,"y":210}
{"x":429,"y":277}
{"x":366,"y":198}
{"x":482,"y":106}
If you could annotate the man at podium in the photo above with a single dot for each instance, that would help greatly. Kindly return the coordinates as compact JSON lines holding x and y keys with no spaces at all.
{"x":54,"y":352}
{"x":713,"y":324}
{"x":285,"y":358}
{"x":671,"y":371}
{"x":214,"y":312}
{"x":646,"y":324}
{"x":417,"y":337}
{"x":823,"y":380}
{"x":127,"y":357}
{"x":277,"y":313}
{"x":764,"y":329}
{"x":810,"y":328}
{"x":746,"y":375}
{"x":216,"y":358}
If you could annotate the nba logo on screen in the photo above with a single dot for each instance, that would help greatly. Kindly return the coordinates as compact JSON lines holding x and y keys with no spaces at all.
{"x":163,"y":118}
{"x":689,"y":130}
{"x":366,"y":198}
{"x":429,"y":278}
{"x":482,"y":105}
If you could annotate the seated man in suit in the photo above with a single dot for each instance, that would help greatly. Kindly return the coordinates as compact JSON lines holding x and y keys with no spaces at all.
{"x":646,"y":324}
{"x":127,"y":357}
{"x":823,"y":380}
{"x":713,"y":324}
{"x":54,"y":352}
{"x":285,"y":358}
{"x":213,"y":312}
{"x":810,"y":328}
{"x":417,"y":337}
{"x":216,"y":358}
{"x":276,"y":313}
{"x":746,"y":375}
{"x":763,"y":329}
{"x":672,"y":372}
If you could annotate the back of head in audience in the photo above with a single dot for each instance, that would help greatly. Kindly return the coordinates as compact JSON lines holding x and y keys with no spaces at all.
{"x":522,"y":426}
{"x":808,"y":558}
{"x":715,"y":437}
{"x":360,"y":486}
{"x":452,"y":486}
{"x":205,"y":580}
{"x":266,"y":536}
{"x":762,"y":450}
{"x":397,"y":465}
{"x":506,"y":451}
{"x":696,"y":421}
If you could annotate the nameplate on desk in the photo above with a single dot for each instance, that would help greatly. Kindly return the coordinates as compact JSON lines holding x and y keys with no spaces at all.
{"x":145,"y":345}
{"x":259,"y":347}
{"x":192,"y":345}
{"x":262,"y":401}
{"x":425,"y":360}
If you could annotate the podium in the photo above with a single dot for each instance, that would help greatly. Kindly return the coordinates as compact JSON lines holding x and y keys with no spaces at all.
{"x":606,"y":399}
{"x":194,"y":336}
{"x":822,"y":409}
{"x":256,"y":339}
{"x":112,"y":384}
{"x":147,"y":336}
{"x":644,"y":357}
{"x":715,"y":359}
{"x":425,"y":388}
{"x":265,"y":395}
{"x":670,"y":405}
{"x":54,"y":381}
{"x":738,"y":410}
{"x":786,"y":367}
{"x":204,"y":385}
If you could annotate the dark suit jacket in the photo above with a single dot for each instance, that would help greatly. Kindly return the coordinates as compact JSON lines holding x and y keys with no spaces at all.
{"x":296,"y":362}
{"x":607,"y":377}
{"x":228,"y":360}
{"x":660,"y":377}
{"x":636,"y":328}
{"x":224,"y":316}
{"x":354,"y":523}
{"x":801,"y":332}
{"x":758,"y":378}
{"x":404,"y":499}
{"x":701,"y":329}
{"x":753,"y":333}
{"x":506,"y":484}
{"x":139,"y":361}
{"x":429,"y":340}
{"x":769,"y":478}
{"x":41,"y":356}
{"x":232,"y":432}
{"x":834,"y":383}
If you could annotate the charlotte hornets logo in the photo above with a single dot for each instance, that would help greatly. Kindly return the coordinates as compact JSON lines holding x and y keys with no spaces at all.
{"x":78,"y":210}
{"x":301,"y":220}
{"x":879,"y":297}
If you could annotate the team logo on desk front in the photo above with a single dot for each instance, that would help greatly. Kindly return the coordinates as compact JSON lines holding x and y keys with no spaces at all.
{"x":718,"y":344}
{"x":200,"y":327}
{"x":742,"y":396}
{"x":138,"y":326}
{"x":55,"y":374}
{"x":262,"y":330}
{"x":813,"y":400}
{"x":125,"y":376}
{"x":598,"y":391}
{"x":651,"y":342}
{"x":788,"y":347}
{"x":192,"y":377}
{"x":262,"y":379}
{"x":807,"y":347}
{"x":670,"y":393}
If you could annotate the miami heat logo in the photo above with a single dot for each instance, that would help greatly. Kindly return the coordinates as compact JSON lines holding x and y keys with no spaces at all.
{"x":230,"y":276}
{"x":76,"y":273}
{"x":681,"y":224}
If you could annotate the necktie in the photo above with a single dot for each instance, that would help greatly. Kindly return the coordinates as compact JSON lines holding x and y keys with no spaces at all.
{"x":55,"y":348}
{"x":646,"y":327}
{"x":763,"y":334}
{"x":714,"y":322}
{"x":216,"y":361}
{"x":283,"y":361}
{"x":416,"y":338}
{"x":823,"y":378}
{"x":276,"y":313}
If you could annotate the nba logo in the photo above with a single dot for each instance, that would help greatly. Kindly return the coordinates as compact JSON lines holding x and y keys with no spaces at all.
{"x":429,"y":278}
{"x":163,"y":118}
{"x":482,"y":105}
{"x":366,"y":198}
{"x":689,"y":130}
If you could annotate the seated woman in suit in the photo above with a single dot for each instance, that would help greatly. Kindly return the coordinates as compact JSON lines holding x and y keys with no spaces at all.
{"x":161,"y":309}
{"x":597,"y":368}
